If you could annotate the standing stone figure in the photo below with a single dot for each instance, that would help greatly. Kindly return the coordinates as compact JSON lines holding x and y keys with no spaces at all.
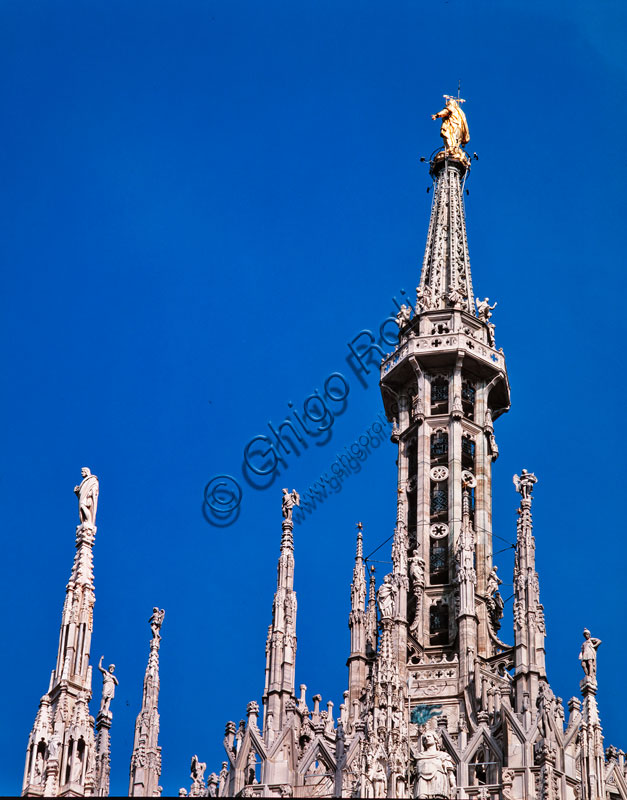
{"x":417,"y":572}
{"x":109,"y":682}
{"x":588,"y":655}
{"x":290,"y":499}
{"x":435,"y":770}
{"x":484,"y":309}
{"x":403,"y":316}
{"x":156,"y":621}
{"x":493,"y":582}
{"x":87,"y":493}
{"x":454,"y":128}
{"x":524,"y":483}
{"x":385,"y":596}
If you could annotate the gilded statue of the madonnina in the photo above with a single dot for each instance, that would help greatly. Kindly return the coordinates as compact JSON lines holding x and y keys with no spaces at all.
{"x":454,"y":128}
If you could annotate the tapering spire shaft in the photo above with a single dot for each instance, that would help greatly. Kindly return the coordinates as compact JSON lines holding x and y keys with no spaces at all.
{"x":146,"y":759}
{"x":529,"y":627}
{"x":281,"y":642}
{"x":357,"y":661}
{"x":61,"y":750}
{"x":446,"y":280}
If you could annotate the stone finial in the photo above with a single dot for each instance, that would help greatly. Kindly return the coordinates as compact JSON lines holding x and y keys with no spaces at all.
{"x":588,"y":654}
{"x":87,"y":492}
{"x":524,"y":484}
{"x":290,"y":499}
{"x":156,"y":621}
{"x":252,"y":712}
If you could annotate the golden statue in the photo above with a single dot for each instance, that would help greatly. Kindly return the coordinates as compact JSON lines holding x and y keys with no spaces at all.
{"x":454,"y":128}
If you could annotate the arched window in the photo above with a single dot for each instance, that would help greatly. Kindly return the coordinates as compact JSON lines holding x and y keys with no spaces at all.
{"x":439,"y":395}
{"x":468,"y":398}
{"x":439,"y":448}
{"x":439,"y":501}
{"x":468,"y":452}
{"x":438,"y":561}
{"x":438,"y":623}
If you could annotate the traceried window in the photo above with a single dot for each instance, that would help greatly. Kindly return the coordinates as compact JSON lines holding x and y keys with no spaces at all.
{"x":438,"y":562}
{"x":439,"y":501}
{"x":438,"y":624}
{"x":439,"y":448}
{"x":468,"y":453}
{"x":439,"y":395}
{"x":468,"y":399}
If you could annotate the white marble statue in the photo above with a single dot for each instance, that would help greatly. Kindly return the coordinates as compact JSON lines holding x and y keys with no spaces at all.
{"x":524,"y":483}
{"x":109,"y":682}
{"x":435,"y":770}
{"x":156,"y":621}
{"x":424,"y":299}
{"x":290,"y":499}
{"x":588,"y":654}
{"x":493,"y":582}
{"x":417,"y":570}
{"x":403,"y":316}
{"x":484,"y":309}
{"x":385,"y":597}
{"x":87,"y":493}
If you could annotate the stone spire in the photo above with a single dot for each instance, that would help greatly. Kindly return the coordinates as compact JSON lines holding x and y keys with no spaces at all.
{"x":592,"y":759}
{"x":446,"y":281}
{"x":529,"y":628}
{"x":146,"y":758}
{"x":103,"y":755}
{"x":371,"y":617}
{"x":466,"y":579}
{"x":281,"y":642}
{"x":61,"y":749}
{"x":357,"y":662}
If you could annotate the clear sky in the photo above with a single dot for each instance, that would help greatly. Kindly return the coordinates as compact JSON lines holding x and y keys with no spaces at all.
{"x":201,"y":203}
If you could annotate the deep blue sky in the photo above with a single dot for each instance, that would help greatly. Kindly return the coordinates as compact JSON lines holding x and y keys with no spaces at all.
{"x":201,"y":204}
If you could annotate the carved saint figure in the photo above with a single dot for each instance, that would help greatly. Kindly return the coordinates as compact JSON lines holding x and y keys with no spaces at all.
{"x":484,"y":309}
{"x":493,"y":582}
{"x":417,"y":571}
{"x":77,"y":768}
{"x":250,"y":767}
{"x":454,"y":129}
{"x":403,"y":316}
{"x":385,"y":597}
{"x":39,"y":768}
{"x":588,"y":655}
{"x":197,"y":775}
{"x":424,"y":299}
{"x":290,"y":499}
{"x":524,"y":483}
{"x":109,"y":682}
{"x":87,"y":493}
{"x":53,"y":747}
{"x":156,"y":622}
{"x":435,"y":770}
{"x":455,"y":297}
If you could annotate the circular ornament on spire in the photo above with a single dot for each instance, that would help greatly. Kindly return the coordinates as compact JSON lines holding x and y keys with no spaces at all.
{"x":439,"y":530}
{"x":468,"y":479}
{"x":439,"y":473}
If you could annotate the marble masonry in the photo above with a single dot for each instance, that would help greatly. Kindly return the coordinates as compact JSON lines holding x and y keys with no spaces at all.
{"x":438,"y":705}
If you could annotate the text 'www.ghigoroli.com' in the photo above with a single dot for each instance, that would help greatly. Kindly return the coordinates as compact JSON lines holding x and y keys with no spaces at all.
{"x":267,"y":454}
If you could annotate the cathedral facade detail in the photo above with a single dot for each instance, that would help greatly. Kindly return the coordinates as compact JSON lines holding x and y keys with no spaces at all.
{"x":441,"y":702}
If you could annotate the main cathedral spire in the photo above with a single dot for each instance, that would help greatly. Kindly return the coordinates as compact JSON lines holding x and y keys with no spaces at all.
{"x":446,"y":279}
